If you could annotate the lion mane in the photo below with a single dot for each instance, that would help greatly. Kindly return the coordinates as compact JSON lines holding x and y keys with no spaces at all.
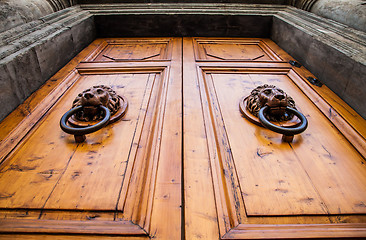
{"x":100,"y":95}
{"x":253,"y":103}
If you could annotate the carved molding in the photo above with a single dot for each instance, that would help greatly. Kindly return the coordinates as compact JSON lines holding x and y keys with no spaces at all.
{"x":303,"y":4}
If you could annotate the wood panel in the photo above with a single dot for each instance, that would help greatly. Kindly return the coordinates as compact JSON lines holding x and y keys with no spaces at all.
{"x":133,"y":50}
{"x":318,"y":173}
{"x":62,"y":237}
{"x":234,"y":50}
{"x":110,"y":184}
{"x":263,"y":187}
{"x":85,"y":176}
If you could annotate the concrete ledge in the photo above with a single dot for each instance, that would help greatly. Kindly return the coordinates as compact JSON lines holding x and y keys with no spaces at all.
{"x":31,"y":53}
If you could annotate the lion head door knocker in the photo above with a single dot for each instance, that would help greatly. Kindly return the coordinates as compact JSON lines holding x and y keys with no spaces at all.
{"x":268,"y":103}
{"x":91,"y":110}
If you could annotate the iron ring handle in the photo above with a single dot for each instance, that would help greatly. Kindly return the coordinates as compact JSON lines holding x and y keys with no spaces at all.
{"x":287,"y":131}
{"x":85,"y":130}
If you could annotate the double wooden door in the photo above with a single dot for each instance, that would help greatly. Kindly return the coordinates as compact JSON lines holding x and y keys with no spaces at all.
{"x":183,"y":163}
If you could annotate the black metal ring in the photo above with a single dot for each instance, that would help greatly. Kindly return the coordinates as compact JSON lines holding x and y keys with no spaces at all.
{"x":288,"y":131}
{"x":85,"y":130}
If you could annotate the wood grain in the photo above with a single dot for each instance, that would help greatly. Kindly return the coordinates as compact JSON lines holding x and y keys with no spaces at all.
{"x":272,"y":180}
{"x":70,"y":227}
{"x":279,"y":183}
{"x":303,"y":231}
{"x":183,"y":162}
{"x":87,"y":188}
{"x":234,"y":50}
{"x":201,"y":219}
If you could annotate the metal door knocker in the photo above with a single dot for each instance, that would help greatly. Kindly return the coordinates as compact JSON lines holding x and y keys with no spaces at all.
{"x":268,"y":103}
{"x":91,"y":110}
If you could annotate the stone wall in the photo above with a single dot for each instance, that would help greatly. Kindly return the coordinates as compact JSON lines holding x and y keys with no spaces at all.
{"x":16,"y":12}
{"x":333,"y":52}
{"x":185,"y":1}
{"x":32,"y":52}
{"x":349,"y":12}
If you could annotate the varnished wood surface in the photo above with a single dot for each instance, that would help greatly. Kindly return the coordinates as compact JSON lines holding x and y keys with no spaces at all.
{"x":123,"y":178}
{"x":183,"y":162}
{"x":69,"y":236}
{"x":71,"y":227}
{"x":256,"y":178}
{"x":319,"y":171}
{"x":304,"y":231}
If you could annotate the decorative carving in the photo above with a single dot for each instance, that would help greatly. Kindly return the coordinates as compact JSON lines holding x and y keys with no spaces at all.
{"x":91,"y":99}
{"x":275,"y":98}
{"x":268,"y":103}
{"x":303,"y":4}
{"x":93,"y":109}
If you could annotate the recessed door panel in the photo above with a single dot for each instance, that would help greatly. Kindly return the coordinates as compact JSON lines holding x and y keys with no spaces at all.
{"x":311,"y":175}
{"x":234,"y":50}
{"x":133,"y":50}
{"x":77,"y":176}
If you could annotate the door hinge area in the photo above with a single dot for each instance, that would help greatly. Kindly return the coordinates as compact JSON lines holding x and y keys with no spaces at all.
{"x":315,"y":81}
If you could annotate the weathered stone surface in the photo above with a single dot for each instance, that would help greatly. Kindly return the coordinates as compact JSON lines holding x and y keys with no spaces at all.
{"x":25,"y":35}
{"x":19,"y":77}
{"x":54,"y":52}
{"x":182,"y":25}
{"x":349,"y":12}
{"x":334,"y":66}
{"x":28,"y":58}
{"x":332,"y":52}
{"x":57,"y":49}
{"x":355,"y":91}
{"x":8,"y":95}
{"x":25,"y":73}
{"x":303,"y":4}
{"x":83,"y":33}
{"x":16,"y":12}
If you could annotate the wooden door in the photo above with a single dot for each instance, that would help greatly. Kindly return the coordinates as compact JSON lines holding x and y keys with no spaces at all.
{"x":240,"y":180}
{"x":125,"y":179}
{"x":183,"y":163}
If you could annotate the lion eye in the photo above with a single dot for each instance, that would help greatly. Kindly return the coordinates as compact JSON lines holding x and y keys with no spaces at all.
{"x":99,"y":91}
{"x":267,"y":91}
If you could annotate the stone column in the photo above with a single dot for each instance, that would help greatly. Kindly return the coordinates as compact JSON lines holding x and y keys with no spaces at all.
{"x":349,"y":12}
{"x":302,"y":4}
{"x":16,"y":12}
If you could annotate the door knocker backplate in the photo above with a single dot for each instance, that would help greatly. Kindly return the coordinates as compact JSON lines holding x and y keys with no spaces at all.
{"x":267,"y":104}
{"x":93,"y":109}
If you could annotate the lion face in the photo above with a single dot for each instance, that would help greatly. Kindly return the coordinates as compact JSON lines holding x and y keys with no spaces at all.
{"x":275,"y":98}
{"x":93,"y":97}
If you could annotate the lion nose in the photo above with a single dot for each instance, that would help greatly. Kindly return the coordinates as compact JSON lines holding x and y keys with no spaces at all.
{"x":279,"y":96}
{"x":88,"y":95}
